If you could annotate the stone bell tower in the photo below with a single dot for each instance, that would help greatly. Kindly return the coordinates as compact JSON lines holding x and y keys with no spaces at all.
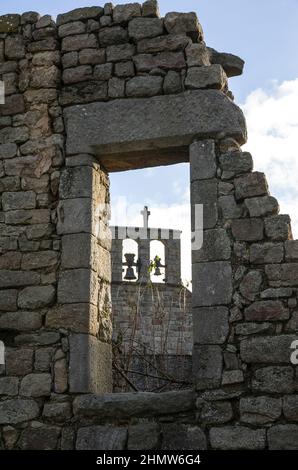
{"x":151,"y":308}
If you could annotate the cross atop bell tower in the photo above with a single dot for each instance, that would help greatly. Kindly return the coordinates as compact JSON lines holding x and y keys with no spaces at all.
{"x":145,"y":213}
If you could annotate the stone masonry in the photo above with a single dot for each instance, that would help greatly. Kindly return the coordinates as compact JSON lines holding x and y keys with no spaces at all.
{"x":107,"y":89}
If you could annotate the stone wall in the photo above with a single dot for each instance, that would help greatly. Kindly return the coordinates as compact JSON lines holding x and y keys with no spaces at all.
{"x":77,"y":92}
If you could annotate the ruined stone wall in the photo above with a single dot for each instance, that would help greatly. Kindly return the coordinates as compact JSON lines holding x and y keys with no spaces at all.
{"x":55,"y":271}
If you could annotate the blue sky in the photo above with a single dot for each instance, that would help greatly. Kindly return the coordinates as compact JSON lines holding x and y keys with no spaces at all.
{"x":265,"y":34}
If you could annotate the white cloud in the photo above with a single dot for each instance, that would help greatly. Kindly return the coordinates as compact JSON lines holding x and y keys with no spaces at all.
{"x":272,"y":120}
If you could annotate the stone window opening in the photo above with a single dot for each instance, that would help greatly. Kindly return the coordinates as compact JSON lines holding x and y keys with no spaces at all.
{"x":157,"y":262}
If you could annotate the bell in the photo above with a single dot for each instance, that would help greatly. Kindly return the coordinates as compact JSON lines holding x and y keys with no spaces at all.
{"x":130,"y":275}
{"x":157,"y":272}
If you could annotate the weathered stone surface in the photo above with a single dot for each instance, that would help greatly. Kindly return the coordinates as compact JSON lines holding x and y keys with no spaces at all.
{"x":172,"y":82}
{"x":77,"y":74}
{"x":213,"y":283}
{"x":101,"y":438}
{"x":36,"y":385}
{"x":144,"y":86}
{"x":119,"y":126}
{"x":14,"y":104}
{"x":75,"y":216}
{"x":251,"y":185}
{"x":39,"y":436}
{"x":9,"y":23}
{"x":43,"y":359}
{"x":14,"y":47}
{"x":261,"y":206}
{"x":207,"y":366}
{"x":291,"y":247}
{"x":79,"y":14}
{"x":182,"y":437}
{"x":79,"y":42}
{"x":17,"y":411}
{"x":231,"y":377}
{"x":266,"y":310}
{"x":120,"y":52}
{"x":86,"y":349}
{"x":36,"y":297}
{"x":116,"y":88}
{"x":76,"y":27}
{"x":292,"y":324}
{"x":124,"y":13}
{"x":162,"y":60}
{"x":20,"y":321}
{"x":8,"y":300}
{"x":43,"y":338}
{"x":276,"y":293}
{"x":19,"y":361}
{"x":141,"y":28}
{"x":235,"y":163}
{"x":251,"y":284}
{"x":9,"y":386}
{"x":229,"y":209}
{"x":290,"y":407}
{"x":14,"y":134}
{"x":283,"y":437}
{"x":45,"y":77}
{"x":202,"y":160}
{"x":113,"y":35}
{"x":197,"y":55}
{"x":8,"y":150}
{"x":204,"y":192}
{"x":275,"y":379}
{"x":60,"y":376}
{"x":216,"y":247}
{"x":278,"y":227}
{"x":266,"y":253}
{"x":143,"y":436}
{"x":283,"y":274}
{"x":232,"y":64}
{"x":246,"y":329}
{"x":177,"y":23}
{"x":92,"y":56}
{"x":42,"y":259}
{"x":212,"y":76}
{"x":171,"y":42}
{"x":267,"y":349}
{"x":103,"y":71}
{"x":131,"y":405}
{"x":211,"y":325}
{"x":77,"y":286}
{"x":216,"y":413}
{"x":237,"y":438}
{"x":79,"y":318}
{"x":124,"y":69}
{"x":249,"y":230}
{"x":260,"y":410}
{"x":57,"y":411}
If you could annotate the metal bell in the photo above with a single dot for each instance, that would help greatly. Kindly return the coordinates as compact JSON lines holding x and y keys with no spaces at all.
{"x":130,"y":275}
{"x":157,"y":272}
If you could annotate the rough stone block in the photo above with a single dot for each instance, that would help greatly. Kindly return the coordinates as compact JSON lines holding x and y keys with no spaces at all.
{"x":251,"y":328}
{"x":150,"y":8}
{"x":112,"y":36}
{"x":267,"y":349}
{"x":249,"y":230}
{"x":75,"y":216}
{"x":207,"y":366}
{"x":290,"y":407}
{"x":211,"y":325}
{"x":170,"y":43}
{"x":278,"y":227}
{"x":9,"y":386}
{"x":235,"y":163}
{"x":42,"y":259}
{"x":172,"y":83}
{"x":251,"y":185}
{"x":71,"y":29}
{"x":143,"y":436}
{"x":125,"y":13}
{"x":36,"y":297}
{"x":78,"y":286}
{"x":144,"y":86}
{"x":266,"y":310}
{"x":283,"y":437}
{"x":216,"y":413}
{"x":183,"y":437}
{"x":79,"y":14}
{"x":162,"y":60}
{"x":120,"y":52}
{"x":79,"y":318}
{"x":14,"y":47}
{"x":211,"y":76}
{"x":232,"y":64}
{"x":124,"y":69}
{"x":291,"y":247}
{"x":18,"y":411}
{"x":77,"y":74}
{"x":251,"y":284}
{"x":36,"y":385}
{"x":103,"y":71}
{"x":79,"y":42}
{"x":216,"y":247}
{"x":58,"y":412}
{"x":39,"y":436}
{"x":197,"y":55}
{"x":20,"y":321}
{"x":229,"y":209}
{"x":202,"y":160}
{"x":262,"y":206}
{"x":18,"y":200}
{"x":92,"y":56}
{"x":231,"y":377}
{"x":213,"y":283}
{"x":260,"y":410}
{"x":8,"y":300}
{"x":237,"y":438}
{"x":274,"y":379}
{"x":266,"y":253}
{"x":187,"y":23}
{"x":101,"y":438}
{"x":172,"y":121}
{"x":90,"y":369}
{"x":141,"y":28}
